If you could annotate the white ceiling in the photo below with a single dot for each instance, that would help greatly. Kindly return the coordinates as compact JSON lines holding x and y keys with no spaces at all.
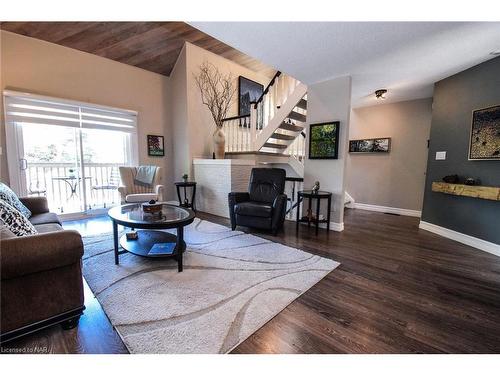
{"x":404,"y":57}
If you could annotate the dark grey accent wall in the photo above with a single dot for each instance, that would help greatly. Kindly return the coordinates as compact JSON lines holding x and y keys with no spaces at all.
{"x":454,"y":100}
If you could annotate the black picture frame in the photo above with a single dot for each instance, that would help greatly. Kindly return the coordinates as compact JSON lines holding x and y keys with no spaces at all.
{"x":484,"y":141}
{"x":248,"y":92}
{"x":380,"y":145}
{"x":156,"y":145}
{"x":324,"y":140}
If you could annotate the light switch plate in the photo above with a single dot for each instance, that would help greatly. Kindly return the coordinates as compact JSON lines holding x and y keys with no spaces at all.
{"x":441,"y":155}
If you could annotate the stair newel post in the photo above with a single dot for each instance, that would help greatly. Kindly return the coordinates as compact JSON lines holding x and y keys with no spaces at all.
{"x":253,"y":127}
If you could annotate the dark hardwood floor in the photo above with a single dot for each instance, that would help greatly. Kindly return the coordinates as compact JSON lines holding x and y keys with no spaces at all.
{"x":398,"y":290}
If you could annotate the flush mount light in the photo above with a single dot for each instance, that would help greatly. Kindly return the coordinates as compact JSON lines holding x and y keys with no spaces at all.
{"x":380,"y":94}
{"x":495,"y":53}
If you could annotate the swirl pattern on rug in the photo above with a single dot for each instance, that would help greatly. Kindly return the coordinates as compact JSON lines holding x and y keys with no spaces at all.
{"x":232,"y":284}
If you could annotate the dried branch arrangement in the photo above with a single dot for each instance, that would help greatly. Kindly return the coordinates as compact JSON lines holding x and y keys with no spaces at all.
{"x":217,"y":91}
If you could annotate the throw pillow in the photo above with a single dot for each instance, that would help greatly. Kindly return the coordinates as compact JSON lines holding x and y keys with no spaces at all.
{"x":7,"y":195}
{"x":15,"y":221}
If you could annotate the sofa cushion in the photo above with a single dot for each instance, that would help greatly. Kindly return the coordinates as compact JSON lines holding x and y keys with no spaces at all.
{"x":136,"y":198}
{"x":5,"y":232}
{"x":46,"y":228}
{"x":45,"y":218}
{"x":7,"y":195}
{"x":253,"y":209}
{"x":15,"y":221}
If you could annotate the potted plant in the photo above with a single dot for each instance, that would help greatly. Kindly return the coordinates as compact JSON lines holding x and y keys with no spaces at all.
{"x":185,"y":177}
{"x":217,"y":93}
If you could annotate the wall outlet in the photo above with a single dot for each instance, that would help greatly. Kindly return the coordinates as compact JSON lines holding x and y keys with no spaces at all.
{"x":441,"y":155}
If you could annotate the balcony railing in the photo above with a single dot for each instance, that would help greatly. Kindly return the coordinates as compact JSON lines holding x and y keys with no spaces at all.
{"x":65,"y":189}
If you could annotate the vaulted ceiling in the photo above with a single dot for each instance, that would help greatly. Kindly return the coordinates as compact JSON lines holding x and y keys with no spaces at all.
{"x":152,"y":46}
{"x":404,"y":57}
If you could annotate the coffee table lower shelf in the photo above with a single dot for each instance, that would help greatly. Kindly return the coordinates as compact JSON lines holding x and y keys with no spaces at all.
{"x":147,"y":239}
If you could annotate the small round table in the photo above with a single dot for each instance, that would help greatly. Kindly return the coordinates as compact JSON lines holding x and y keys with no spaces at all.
{"x":132,"y":216}
{"x":186,"y":203}
{"x":318,"y":196}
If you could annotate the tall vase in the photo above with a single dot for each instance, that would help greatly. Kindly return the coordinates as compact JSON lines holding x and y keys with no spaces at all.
{"x":219,"y":143}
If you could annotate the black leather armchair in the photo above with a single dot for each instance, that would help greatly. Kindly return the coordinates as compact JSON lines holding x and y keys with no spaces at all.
{"x":264,"y":206}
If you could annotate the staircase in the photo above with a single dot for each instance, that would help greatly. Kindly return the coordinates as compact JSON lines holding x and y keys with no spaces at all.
{"x":273,"y":133}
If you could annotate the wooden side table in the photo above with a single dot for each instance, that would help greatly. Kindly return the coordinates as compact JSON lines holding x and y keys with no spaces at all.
{"x":309,"y":219}
{"x":186,"y":203}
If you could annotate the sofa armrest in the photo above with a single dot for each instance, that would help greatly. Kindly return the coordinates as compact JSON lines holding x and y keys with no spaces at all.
{"x":41,"y":252}
{"x":37,"y":205}
{"x":123,"y":192}
{"x":279,"y":211}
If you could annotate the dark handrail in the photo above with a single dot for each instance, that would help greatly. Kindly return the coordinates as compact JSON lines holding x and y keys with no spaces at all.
{"x":278,"y":73}
{"x":235,"y":118}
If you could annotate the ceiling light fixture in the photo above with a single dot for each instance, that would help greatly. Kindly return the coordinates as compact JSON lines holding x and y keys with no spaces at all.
{"x":380,"y":94}
{"x":495,"y":53}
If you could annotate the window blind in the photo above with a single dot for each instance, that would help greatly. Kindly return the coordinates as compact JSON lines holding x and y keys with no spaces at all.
{"x":34,"y":109}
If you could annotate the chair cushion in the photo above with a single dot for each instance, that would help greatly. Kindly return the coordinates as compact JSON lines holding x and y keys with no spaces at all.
{"x":7,"y":195}
{"x":45,"y":228}
{"x":136,"y":198}
{"x":15,"y":221}
{"x":45,"y":218}
{"x":253,"y":209}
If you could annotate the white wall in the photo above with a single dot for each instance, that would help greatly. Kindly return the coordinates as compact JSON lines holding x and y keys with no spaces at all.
{"x":192,"y":122}
{"x":330,"y":101}
{"x":178,"y":115}
{"x":200,"y":120}
{"x":395,"y":179}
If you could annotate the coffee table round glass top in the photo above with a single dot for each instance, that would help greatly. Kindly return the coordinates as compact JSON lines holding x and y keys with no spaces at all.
{"x":150,"y":242}
{"x":132,"y":214}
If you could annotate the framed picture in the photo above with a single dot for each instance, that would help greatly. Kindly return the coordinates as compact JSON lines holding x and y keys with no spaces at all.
{"x":485,"y":134}
{"x":156,"y":145}
{"x":324,"y":140}
{"x":249,"y":91}
{"x":372,"y":145}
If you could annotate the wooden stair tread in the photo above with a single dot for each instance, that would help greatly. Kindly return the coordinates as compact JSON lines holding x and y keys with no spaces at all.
{"x":284,"y":137}
{"x":297,"y":116}
{"x":291,"y":127}
{"x":302,"y":104}
{"x":274,"y":145}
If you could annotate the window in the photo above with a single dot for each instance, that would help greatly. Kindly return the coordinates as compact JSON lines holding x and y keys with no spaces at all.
{"x":68,"y":151}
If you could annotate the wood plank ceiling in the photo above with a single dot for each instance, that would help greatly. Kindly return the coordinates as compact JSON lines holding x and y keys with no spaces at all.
{"x":152,"y":46}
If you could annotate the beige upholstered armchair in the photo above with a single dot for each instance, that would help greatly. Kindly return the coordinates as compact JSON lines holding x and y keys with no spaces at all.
{"x":131,"y":192}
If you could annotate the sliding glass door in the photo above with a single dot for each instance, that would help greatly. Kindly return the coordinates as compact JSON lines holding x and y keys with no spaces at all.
{"x":67,"y":151}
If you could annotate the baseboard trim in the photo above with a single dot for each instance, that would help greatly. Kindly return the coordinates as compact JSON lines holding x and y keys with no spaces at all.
{"x":390,"y":210}
{"x":478,"y":243}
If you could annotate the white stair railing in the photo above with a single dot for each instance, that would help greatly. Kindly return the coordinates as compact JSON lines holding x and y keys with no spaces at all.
{"x":238,"y":133}
{"x":275,"y":94}
{"x":298,"y":148}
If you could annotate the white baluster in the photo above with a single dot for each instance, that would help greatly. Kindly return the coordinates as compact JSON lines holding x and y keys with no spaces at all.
{"x":253,"y":127}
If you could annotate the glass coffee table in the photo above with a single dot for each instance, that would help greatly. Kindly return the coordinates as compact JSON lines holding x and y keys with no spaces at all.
{"x":151,"y":242}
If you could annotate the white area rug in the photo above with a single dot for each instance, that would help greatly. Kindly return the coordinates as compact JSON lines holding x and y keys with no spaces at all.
{"x":232,"y":284}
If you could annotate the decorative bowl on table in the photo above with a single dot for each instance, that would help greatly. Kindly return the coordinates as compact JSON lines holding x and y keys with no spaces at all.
{"x":151,"y":207}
